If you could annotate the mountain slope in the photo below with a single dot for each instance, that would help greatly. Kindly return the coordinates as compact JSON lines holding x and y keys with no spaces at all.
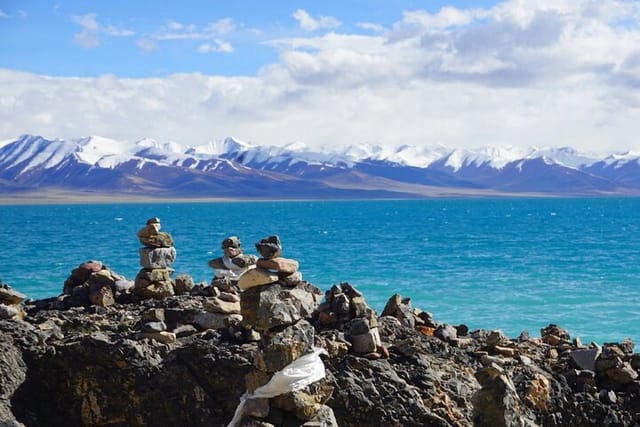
{"x":232,"y":168}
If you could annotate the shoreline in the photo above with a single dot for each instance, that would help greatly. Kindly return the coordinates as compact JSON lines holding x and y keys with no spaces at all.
{"x":74,"y":198}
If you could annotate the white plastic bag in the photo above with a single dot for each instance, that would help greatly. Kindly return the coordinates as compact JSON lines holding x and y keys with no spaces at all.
{"x":295,"y":376}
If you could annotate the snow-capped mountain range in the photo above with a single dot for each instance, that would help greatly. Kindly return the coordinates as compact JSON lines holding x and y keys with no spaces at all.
{"x":232,"y":168}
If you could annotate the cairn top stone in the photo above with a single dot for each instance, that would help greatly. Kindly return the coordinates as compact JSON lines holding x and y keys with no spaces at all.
{"x":151,"y":236}
{"x":269,"y":247}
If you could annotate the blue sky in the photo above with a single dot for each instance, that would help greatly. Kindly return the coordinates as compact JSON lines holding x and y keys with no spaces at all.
{"x":456,"y":73}
{"x":147,"y":38}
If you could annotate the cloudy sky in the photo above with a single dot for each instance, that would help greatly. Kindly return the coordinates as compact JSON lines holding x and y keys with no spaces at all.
{"x":326,"y":73}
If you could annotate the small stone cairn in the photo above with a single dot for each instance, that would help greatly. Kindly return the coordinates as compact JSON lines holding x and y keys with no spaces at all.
{"x":346,"y":310}
{"x":93,"y":283}
{"x":156,"y":257}
{"x":231,"y":265}
{"x":10,"y":303}
{"x":277,"y":304}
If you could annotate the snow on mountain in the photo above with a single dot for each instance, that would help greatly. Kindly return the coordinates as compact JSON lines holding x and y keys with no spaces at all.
{"x":566,"y":156}
{"x":619,"y":160}
{"x":215,"y":148}
{"x":105,"y":152}
{"x":33,"y":151}
{"x":517,"y":169}
{"x":496,"y":157}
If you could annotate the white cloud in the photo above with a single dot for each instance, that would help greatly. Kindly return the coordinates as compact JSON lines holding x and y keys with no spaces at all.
{"x":89,"y":36}
{"x":220,"y":46}
{"x":2,"y":14}
{"x":177,"y":31}
{"x":535,"y":72}
{"x":309,"y":23}
{"x":377,"y":28}
{"x":146,"y":45}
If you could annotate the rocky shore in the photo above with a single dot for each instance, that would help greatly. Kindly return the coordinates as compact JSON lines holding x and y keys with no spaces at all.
{"x":106,"y":353}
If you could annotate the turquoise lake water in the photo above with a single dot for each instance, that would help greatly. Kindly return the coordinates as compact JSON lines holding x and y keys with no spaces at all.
{"x":509,"y":264}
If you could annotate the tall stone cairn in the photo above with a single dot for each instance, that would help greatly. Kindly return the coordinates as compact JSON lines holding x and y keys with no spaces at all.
{"x":276,"y":302}
{"x":156,"y":257}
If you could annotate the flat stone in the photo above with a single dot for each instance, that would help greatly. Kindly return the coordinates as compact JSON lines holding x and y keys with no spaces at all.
{"x":284,"y":265}
{"x":10,"y":296}
{"x":217,"y":305}
{"x":256,"y":277}
{"x":184,"y":331}
{"x":163,"y":337}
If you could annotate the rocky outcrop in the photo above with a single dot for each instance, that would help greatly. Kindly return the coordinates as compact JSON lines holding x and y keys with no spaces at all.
{"x":154,"y":362}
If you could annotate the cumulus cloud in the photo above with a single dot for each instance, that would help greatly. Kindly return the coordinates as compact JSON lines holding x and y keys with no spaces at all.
{"x":522,"y":73}
{"x":89,"y":36}
{"x":309,"y":23}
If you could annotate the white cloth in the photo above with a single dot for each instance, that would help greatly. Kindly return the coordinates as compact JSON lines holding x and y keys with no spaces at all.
{"x":295,"y":376}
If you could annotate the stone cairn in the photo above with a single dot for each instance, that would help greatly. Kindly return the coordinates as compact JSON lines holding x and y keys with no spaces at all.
{"x":231,"y":265}
{"x":275,"y":302}
{"x":93,"y":283}
{"x":346,"y":310}
{"x":156,"y":257}
{"x":10,"y":303}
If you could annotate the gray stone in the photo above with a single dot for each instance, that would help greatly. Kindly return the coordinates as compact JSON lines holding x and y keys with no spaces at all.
{"x":365,"y":343}
{"x":446,"y":333}
{"x":8,"y":311}
{"x":183,"y":284}
{"x":207,"y":320}
{"x":157,"y":257}
{"x":154,"y":327}
{"x":271,"y":306}
{"x":586,"y":359}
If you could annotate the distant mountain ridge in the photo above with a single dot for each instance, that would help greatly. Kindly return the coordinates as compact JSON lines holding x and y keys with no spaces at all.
{"x":232,"y":168}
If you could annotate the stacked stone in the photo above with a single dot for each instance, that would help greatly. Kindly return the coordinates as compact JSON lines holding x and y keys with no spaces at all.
{"x":93,"y":283}
{"x":10,"y":303}
{"x":278,"y":311}
{"x":346,"y":310}
{"x":156,"y":258}
{"x":231,"y":265}
{"x":271,"y":267}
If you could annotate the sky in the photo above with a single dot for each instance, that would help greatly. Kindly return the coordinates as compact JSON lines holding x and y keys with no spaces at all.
{"x":463,"y":74}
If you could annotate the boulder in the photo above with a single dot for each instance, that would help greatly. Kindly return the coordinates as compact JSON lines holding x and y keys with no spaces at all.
{"x":282,"y":348}
{"x":271,"y":306}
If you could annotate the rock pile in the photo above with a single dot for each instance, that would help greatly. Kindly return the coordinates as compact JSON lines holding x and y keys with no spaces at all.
{"x":156,"y":258}
{"x":279,"y":310}
{"x":10,"y":303}
{"x":93,"y":283}
{"x":346,"y":310}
